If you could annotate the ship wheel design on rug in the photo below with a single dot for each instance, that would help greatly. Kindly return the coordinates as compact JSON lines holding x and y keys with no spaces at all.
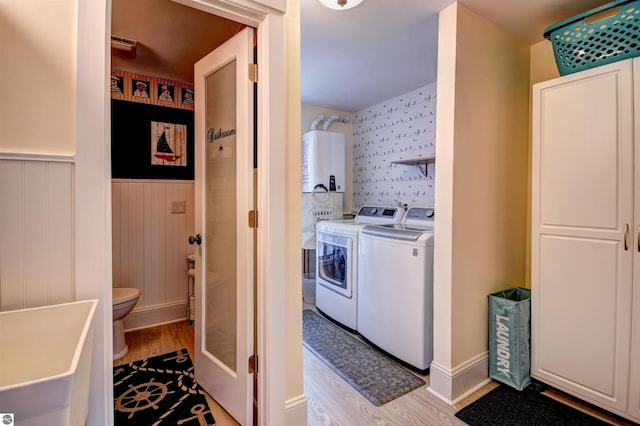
{"x":160,"y":391}
{"x":141,"y":397}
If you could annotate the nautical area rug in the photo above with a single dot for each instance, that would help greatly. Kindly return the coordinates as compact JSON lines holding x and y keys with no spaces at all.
{"x":159,"y":391}
{"x":507,"y":406}
{"x":376,"y":377}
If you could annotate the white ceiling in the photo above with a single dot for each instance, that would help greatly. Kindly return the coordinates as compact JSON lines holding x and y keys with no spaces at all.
{"x":350,"y":59}
{"x":355,"y":58}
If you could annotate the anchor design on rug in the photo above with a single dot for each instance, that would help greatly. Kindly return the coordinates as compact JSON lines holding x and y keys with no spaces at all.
{"x":200,"y":412}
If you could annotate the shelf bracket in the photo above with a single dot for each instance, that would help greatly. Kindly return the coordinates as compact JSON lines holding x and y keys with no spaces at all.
{"x":423,"y":168}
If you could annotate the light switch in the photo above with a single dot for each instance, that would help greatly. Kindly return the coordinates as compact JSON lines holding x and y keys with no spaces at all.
{"x":178,"y":207}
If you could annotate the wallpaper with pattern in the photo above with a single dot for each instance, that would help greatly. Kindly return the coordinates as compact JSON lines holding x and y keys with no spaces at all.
{"x":144,"y":89}
{"x":397,"y":129}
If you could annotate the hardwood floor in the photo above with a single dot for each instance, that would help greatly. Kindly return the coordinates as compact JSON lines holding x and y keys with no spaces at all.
{"x":331,"y":400}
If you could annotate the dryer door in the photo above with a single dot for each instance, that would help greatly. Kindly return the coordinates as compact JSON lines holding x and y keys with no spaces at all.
{"x":334,"y":263}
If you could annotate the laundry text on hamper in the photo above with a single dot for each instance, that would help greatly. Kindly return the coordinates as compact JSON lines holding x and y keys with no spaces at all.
{"x":502,"y":334}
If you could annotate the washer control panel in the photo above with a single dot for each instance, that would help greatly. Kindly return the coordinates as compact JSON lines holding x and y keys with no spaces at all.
{"x":423,"y":213}
{"x":379,"y":214}
{"x":419,"y":216}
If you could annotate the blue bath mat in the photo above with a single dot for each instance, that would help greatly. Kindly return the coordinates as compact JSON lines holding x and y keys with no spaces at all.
{"x":159,"y":391}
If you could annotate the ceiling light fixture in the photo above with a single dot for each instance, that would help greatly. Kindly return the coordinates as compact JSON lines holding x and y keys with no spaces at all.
{"x":340,"y":4}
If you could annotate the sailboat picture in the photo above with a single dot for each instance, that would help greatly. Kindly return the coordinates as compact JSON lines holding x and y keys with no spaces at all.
{"x":168,"y":144}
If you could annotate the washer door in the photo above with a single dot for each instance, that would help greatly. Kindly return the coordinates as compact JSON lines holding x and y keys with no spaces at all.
{"x":333,"y":263}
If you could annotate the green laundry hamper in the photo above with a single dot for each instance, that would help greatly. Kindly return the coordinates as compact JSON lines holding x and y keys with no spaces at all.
{"x":510,"y":337}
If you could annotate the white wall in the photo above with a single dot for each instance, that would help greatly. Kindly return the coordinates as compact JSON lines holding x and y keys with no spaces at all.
{"x":36,"y":230}
{"x":400,"y":128}
{"x":295,"y":400}
{"x":481,"y":189}
{"x":150,"y":246}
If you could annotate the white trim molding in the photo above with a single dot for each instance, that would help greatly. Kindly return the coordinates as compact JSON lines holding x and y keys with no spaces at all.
{"x":152,"y":316}
{"x":452,"y":386}
{"x":246,"y":12}
{"x":296,"y":410}
{"x":37,"y":156}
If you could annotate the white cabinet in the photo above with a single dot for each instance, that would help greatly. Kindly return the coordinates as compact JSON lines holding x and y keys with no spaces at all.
{"x":585,"y":257}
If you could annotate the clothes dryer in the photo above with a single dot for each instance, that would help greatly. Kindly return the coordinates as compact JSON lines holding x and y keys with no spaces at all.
{"x":337,"y":263}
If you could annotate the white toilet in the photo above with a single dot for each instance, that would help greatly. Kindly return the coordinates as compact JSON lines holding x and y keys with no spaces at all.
{"x":124,"y":299}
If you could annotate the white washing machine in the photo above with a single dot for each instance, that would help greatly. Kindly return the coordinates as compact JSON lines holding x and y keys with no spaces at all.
{"x":337,"y":264}
{"x":395,"y":287}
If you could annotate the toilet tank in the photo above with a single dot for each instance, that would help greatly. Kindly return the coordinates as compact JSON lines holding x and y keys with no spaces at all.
{"x":323,"y":156}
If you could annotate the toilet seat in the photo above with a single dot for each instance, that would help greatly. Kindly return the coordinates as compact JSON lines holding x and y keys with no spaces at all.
{"x":124,"y":295}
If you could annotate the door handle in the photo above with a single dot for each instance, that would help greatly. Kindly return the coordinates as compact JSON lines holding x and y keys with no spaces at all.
{"x":198,"y":240}
{"x":626,"y":233}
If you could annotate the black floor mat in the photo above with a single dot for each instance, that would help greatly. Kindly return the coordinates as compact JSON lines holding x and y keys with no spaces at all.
{"x":507,"y":406}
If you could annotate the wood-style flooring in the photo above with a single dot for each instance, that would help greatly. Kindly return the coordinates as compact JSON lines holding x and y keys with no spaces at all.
{"x":331,"y":401}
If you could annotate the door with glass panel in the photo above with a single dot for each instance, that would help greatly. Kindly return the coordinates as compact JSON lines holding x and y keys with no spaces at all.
{"x":224,"y":327}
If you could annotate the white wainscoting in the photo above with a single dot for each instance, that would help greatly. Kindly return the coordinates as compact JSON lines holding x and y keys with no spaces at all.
{"x":150,"y":246}
{"x":36,"y":230}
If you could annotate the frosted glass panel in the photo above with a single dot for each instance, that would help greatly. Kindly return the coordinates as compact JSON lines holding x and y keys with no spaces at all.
{"x":221,"y":241}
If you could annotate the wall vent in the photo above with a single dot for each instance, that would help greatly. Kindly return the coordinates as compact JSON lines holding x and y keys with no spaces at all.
{"x":124,"y":47}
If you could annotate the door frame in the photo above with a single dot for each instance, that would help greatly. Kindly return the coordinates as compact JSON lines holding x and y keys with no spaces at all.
{"x":92,"y":186}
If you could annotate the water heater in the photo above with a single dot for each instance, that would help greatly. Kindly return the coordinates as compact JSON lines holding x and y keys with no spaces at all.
{"x":323,"y":160}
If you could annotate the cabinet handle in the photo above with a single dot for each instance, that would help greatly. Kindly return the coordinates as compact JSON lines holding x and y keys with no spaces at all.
{"x":638,"y":236}
{"x":626,"y":232}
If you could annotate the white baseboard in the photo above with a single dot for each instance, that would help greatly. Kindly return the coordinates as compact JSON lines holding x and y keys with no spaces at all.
{"x":452,"y":386}
{"x":155,"y":315}
{"x":295,"y":411}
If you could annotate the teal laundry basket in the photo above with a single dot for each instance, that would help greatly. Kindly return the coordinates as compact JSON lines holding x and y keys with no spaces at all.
{"x":600,"y":36}
{"x":510,"y":337}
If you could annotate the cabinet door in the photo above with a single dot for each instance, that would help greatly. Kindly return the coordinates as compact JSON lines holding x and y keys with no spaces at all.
{"x":582,"y":211}
{"x":634,"y":376}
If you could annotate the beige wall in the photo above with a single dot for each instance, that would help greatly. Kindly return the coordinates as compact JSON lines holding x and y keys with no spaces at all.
{"x":481,"y":190}
{"x":38,"y":45}
{"x":543,"y":62}
{"x":293,"y":362}
{"x":542,"y":68}
{"x":310,"y":113}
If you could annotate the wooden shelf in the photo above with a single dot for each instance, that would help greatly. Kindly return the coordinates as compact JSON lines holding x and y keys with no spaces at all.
{"x":420,"y":163}
{"x":415,"y":161}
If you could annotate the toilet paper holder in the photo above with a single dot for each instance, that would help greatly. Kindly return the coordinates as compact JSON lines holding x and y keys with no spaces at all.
{"x":191,"y":299}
